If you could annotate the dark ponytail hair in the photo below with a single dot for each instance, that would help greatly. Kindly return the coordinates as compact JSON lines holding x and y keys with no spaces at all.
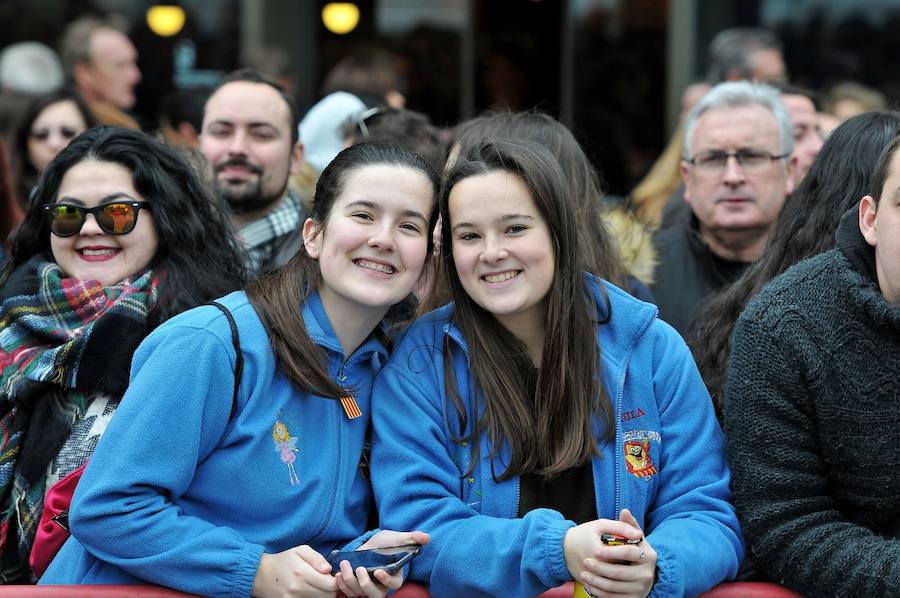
{"x":279,"y":296}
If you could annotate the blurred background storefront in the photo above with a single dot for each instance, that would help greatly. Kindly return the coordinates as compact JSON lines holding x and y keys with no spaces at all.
{"x":613,"y":70}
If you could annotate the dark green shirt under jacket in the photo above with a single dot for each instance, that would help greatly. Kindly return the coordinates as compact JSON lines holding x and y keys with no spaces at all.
{"x":812,"y":425}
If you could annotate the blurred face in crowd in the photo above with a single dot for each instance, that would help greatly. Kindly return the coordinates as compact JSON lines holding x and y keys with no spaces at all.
{"x":93,"y":253}
{"x":768,"y":66}
{"x":827,"y":123}
{"x":880,"y":225}
{"x":808,"y":137}
{"x":847,"y":108}
{"x":112,"y":72}
{"x":731,"y":196}
{"x":690,"y":96}
{"x":52,"y":130}
{"x":246,"y":139}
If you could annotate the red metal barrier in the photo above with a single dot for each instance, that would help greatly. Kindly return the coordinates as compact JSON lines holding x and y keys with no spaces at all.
{"x":750,"y":589}
{"x":414,"y":590}
{"x":739,"y":589}
{"x":105,"y":591}
{"x":563,"y":591}
{"x":742,"y":589}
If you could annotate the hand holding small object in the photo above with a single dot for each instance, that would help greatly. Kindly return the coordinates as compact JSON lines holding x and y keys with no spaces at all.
{"x":625,"y":566}
{"x":377,"y":583}
{"x":296,"y":572}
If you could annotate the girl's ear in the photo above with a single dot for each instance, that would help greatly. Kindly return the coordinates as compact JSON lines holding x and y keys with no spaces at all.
{"x":312,"y":238}
{"x":867,"y":212}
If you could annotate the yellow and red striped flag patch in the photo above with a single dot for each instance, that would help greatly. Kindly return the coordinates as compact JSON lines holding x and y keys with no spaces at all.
{"x":350,"y":407}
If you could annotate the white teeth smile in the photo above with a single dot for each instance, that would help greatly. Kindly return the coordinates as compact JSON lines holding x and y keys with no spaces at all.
{"x":374,"y":266}
{"x":492,"y":278}
{"x":98,"y":251}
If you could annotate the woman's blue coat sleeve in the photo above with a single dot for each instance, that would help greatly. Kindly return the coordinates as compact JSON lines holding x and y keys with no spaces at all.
{"x":173,"y":415}
{"x":694,"y":527}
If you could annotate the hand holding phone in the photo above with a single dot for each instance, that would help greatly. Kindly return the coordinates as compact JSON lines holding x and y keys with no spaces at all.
{"x":299,"y":571}
{"x":375,"y":584}
{"x":391,"y":559}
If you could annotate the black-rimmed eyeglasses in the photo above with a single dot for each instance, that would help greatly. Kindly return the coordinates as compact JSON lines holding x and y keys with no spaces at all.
{"x":714,"y":162}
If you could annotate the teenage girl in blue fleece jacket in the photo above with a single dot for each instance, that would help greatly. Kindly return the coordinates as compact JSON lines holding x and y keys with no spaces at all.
{"x":543,"y":408}
{"x":183,"y":493}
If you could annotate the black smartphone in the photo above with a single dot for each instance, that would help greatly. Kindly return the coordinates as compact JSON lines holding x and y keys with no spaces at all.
{"x":391,"y":559}
{"x":617,"y":540}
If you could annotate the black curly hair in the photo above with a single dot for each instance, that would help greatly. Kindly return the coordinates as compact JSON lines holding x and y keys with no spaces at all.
{"x":198,"y":257}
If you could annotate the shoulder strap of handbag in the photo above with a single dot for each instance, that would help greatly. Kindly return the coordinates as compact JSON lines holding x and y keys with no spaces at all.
{"x":239,"y":360}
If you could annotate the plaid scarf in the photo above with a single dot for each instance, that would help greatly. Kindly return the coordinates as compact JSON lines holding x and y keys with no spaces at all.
{"x":262,"y":238}
{"x":62,"y":342}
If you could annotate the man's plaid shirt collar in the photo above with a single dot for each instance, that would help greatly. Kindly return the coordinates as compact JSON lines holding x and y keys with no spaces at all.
{"x":262,"y":238}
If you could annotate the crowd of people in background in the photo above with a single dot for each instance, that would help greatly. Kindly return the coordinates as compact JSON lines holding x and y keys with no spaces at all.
{"x":250,"y":336}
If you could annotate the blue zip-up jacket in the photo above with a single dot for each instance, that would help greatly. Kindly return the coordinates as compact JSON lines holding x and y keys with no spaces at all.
{"x":181,"y":494}
{"x":675,"y":481}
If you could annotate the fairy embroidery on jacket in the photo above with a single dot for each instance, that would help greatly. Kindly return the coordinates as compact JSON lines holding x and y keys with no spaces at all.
{"x":286,"y":447}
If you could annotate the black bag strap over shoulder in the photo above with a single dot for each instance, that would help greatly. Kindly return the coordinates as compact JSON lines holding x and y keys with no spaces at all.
{"x":239,"y":360}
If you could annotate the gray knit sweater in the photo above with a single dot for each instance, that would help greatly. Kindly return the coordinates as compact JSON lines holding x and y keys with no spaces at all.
{"x":812,"y":424}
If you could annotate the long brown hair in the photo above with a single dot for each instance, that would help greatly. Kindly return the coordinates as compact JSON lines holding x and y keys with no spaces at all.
{"x":552,"y":430}
{"x":279,"y":296}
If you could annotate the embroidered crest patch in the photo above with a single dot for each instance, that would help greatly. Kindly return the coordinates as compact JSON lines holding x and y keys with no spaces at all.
{"x":637,"y":452}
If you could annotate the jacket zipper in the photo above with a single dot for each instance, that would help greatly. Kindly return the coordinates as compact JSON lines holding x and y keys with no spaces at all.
{"x":619,"y":399}
{"x":465,"y":492}
{"x":618,"y":416}
{"x":341,"y":378}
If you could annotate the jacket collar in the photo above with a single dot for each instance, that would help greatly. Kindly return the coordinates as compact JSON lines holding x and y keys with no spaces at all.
{"x":320,"y":331}
{"x":863,"y":280}
{"x":620,"y":316}
{"x":853,"y":245}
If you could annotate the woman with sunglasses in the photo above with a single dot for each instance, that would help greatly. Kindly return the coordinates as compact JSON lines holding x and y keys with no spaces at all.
{"x":121,"y":235}
{"x":48,"y":125}
{"x":544,"y":409}
{"x":222,"y":493}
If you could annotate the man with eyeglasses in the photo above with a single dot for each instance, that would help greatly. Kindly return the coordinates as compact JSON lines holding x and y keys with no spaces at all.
{"x":737,"y":170}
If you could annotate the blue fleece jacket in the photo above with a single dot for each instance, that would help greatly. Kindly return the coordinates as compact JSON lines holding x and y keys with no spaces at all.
{"x":679,"y":492}
{"x":181,"y":494}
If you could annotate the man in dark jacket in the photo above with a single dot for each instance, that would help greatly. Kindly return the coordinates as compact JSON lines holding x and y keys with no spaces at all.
{"x":737,"y":169}
{"x":812,"y":414}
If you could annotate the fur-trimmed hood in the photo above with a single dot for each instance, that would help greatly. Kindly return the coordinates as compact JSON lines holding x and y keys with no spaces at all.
{"x":634,"y":240}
